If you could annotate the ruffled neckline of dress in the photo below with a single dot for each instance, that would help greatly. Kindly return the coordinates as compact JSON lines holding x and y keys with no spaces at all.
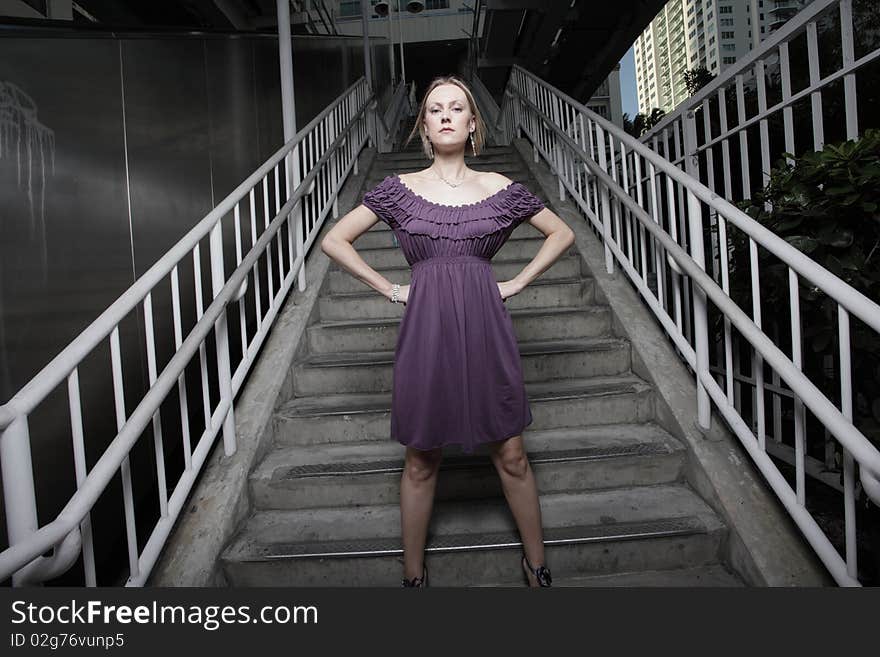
{"x":396,"y":180}
{"x":403,"y":208}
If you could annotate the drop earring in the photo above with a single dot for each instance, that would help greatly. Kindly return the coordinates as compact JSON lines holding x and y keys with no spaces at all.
{"x":472,"y":143}
{"x":431,"y":148}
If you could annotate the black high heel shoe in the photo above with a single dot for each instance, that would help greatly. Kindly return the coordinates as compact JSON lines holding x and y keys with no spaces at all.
{"x":541,"y":573}
{"x":418,"y":582}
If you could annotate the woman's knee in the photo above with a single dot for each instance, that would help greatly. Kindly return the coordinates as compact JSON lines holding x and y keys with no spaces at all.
{"x":422,"y":465}
{"x":510,"y":458}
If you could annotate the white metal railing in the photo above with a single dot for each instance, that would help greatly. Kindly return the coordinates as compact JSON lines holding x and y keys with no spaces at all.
{"x":744,"y":100}
{"x":492,"y":115}
{"x":389,"y":122}
{"x":619,"y":184}
{"x":285,"y":201}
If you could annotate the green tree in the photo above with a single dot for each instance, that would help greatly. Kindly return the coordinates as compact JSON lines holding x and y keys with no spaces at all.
{"x":697,"y":78}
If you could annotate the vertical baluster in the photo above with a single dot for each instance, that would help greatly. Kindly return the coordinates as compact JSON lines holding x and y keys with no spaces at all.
{"x":125,"y":467}
{"x":763,"y":128}
{"x":776,"y":381}
{"x":606,"y":210}
{"x":277,"y":237}
{"x":615,"y":202}
{"x":287,"y":173}
{"x":799,"y":415}
{"x":627,"y":218}
{"x":684,"y":281}
{"x":846,"y":407}
{"x":257,"y":300}
{"x":743,"y":138}
{"x":594,"y":183}
{"x":815,"y":96}
{"x":849,"y":80}
{"x":181,"y":380}
{"x":221,"y":334}
{"x":710,"y":183}
{"x":299,"y":231}
{"x":676,"y":272}
{"x":659,"y":256}
{"x":757,"y":359}
{"x":269,"y":260}
{"x":637,"y":159}
{"x":725,"y":285}
{"x":79,"y":463}
{"x":787,"y":111}
{"x":157,"y":418}
{"x":241,"y":316}
{"x":583,"y":173}
{"x":203,"y":359}
{"x":695,"y":223}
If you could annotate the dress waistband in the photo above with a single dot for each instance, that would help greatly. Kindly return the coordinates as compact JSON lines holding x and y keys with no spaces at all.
{"x":451,"y":258}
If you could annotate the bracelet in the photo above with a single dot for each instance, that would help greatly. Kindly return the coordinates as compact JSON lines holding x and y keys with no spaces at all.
{"x":395,"y":293}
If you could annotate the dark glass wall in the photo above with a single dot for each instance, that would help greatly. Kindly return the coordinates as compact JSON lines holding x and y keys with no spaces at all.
{"x":111,"y":149}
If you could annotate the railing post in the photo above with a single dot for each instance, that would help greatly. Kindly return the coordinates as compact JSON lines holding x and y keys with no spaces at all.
{"x":18,"y":484}
{"x":221,"y":334}
{"x":695,"y":224}
{"x":606,"y":204}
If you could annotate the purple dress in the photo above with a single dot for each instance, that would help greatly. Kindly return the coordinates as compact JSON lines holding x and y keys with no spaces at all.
{"x":457,"y":375}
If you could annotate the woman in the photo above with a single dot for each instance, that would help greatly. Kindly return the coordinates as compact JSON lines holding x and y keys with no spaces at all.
{"x":457,"y":371}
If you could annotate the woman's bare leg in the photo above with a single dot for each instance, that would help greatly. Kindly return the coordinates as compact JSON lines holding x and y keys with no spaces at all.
{"x":518,"y":482}
{"x":417,"y":485}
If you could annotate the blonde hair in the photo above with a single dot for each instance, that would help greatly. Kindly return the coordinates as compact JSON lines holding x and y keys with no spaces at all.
{"x":419,"y":128}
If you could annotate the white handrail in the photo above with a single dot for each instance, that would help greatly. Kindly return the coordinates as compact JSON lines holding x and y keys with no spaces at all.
{"x":22,"y":559}
{"x":781,"y":36}
{"x":719,"y":116}
{"x":549,"y":118}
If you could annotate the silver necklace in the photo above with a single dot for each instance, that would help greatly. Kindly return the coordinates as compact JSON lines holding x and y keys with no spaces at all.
{"x":446,"y":181}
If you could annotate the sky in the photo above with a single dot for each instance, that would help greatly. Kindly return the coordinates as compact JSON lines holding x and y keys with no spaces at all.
{"x":628,"y":83}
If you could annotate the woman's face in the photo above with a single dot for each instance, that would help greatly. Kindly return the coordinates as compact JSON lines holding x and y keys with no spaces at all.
{"x":448,"y":117}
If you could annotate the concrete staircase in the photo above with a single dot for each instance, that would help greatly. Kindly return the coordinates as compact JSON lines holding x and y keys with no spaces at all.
{"x":616,"y":508}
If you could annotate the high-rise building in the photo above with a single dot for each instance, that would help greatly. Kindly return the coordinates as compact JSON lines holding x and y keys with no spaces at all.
{"x":688,"y":34}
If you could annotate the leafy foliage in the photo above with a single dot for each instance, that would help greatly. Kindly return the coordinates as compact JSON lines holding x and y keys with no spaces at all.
{"x":827,"y":205}
{"x":642,"y":123}
{"x":697,"y":78}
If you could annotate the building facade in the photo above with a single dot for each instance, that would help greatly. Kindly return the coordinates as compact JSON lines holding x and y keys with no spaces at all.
{"x":688,"y":34}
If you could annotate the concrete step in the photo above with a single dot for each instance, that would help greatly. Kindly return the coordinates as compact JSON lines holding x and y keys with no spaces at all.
{"x":357,"y":417}
{"x":707,"y":575}
{"x":370,"y":334}
{"x":475,"y":542}
{"x":540,"y":293}
{"x":563,"y":460}
{"x":340,"y":281}
{"x":372,"y":371}
{"x":511,"y":250}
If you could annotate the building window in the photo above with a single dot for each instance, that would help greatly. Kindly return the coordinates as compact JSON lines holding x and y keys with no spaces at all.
{"x":436,"y":4}
{"x":728,"y":60}
{"x":725,"y":9}
{"x":347,"y":8}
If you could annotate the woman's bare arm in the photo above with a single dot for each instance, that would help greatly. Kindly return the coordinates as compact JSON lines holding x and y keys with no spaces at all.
{"x":337,"y":244}
{"x":559,"y":237}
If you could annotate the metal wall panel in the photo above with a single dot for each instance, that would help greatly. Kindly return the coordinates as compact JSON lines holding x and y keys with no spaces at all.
{"x":174,"y":124}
